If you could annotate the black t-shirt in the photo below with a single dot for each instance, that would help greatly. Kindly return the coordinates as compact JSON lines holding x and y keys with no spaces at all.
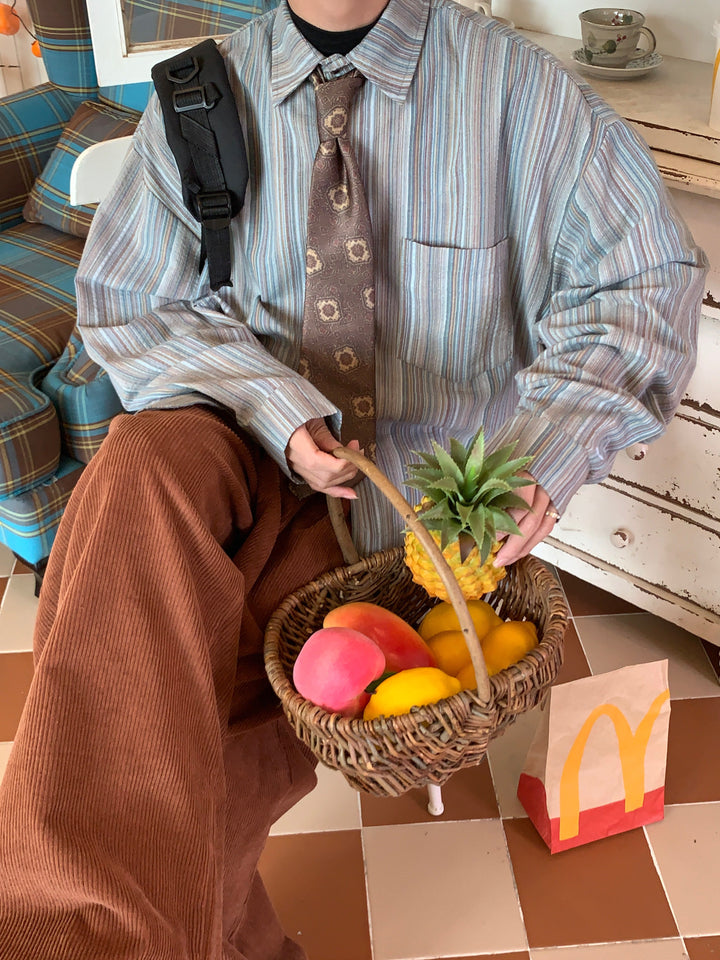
{"x":328,"y":42}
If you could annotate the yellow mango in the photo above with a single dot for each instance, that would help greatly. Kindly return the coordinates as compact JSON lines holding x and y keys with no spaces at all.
{"x":442,"y":617}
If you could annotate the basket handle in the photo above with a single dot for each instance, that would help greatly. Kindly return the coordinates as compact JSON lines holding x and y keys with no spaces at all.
{"x":423,"y":535}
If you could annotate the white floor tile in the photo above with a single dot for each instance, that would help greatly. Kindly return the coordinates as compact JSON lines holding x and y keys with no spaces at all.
{"x":633,"y":950}
{"x":7,"y":561}
{"x":616,"y":641}
{"x":17,"y":615}
{"x":440,"y":890}
{"x":506,"y":756}
{"x":332,"y":805}
{"x":686,"y":846}
{"x":4,"y":754}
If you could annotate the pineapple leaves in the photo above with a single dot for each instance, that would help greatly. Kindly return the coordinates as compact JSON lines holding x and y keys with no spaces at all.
{"x":482,"y":526}
{"x":447,"y":464}
{"x":486,"y":547}
{"x":458,"y":453}
{"x":504,"y":522}
{"x":508,"y":501}
{"x":497,"y":463}
{"x":449,"y":532}
{"x":467,"y":495}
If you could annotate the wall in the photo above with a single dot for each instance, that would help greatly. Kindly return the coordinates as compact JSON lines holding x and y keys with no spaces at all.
{"x":682,"y":29}
{"x":19,"y":69}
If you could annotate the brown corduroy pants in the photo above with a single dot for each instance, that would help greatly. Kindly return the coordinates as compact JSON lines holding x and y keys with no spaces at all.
{"x":152,"y":758}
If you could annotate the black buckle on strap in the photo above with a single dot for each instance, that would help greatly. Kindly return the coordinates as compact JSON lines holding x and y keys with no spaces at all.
{"x":183,"y":72}
{"x":195,"y":98}
{"x":215,"y":209}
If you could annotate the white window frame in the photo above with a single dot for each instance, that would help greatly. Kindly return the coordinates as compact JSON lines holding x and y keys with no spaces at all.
{"x":114,"y":62}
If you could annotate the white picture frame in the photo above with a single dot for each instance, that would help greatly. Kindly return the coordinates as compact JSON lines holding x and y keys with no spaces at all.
{"x":115,"y":63}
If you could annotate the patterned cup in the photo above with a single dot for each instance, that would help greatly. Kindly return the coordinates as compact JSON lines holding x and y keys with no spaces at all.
{"x":610,"y":36}
{"x":485,"y":7}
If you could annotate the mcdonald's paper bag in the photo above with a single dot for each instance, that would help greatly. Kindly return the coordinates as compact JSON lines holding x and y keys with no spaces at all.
{"x":597,"y":764}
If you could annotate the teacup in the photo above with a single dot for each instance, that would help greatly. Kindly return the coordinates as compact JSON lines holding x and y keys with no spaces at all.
{"x":610,"y":36}
{"x":485,"y":6}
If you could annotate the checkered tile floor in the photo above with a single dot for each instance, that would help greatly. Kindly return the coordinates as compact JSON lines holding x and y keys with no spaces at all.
{"x":359,"y":878}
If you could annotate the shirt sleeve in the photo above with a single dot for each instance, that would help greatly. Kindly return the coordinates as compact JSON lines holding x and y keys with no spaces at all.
{"x":151,"y":320}
{"x":618,"y":333}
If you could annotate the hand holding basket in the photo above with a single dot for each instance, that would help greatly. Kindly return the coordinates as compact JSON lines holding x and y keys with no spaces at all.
{"x":390,"y":755}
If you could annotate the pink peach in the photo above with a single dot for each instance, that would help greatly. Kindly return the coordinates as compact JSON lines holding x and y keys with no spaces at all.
{"x":333,"y":668}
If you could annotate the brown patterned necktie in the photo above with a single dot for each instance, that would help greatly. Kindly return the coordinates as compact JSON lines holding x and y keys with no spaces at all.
{"x":338,"y":350}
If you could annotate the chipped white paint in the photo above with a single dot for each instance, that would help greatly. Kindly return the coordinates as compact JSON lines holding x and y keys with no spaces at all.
{"x":670,"y":469}
{"x":651,"y":533}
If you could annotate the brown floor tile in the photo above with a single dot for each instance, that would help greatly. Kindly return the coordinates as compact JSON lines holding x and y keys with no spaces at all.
{"x":587,"y":600}
{"x":703,"y":948}
{"x":575,"y":665}
{"x":317,"y":883}
{"x":713,"y":653}
{"x":16,"y":671}
{"x":602,"y":892}
{"x":21,"y":567}
{"x":468,"y":795}
{"x":3,"y":585}
{"x":693,"y":773}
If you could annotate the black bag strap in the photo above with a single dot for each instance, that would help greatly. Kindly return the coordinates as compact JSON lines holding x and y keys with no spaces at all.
{"x":205,"y":135}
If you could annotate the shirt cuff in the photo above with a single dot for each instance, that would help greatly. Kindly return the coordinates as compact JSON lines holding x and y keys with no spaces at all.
{"x":286,"y":410}
{"x":559,"y":464}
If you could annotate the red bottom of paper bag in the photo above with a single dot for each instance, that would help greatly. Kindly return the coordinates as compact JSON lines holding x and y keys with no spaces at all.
{"x":595,"y":824}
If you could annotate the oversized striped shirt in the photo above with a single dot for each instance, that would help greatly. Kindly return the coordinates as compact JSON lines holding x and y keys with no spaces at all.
{"x":531,"y":272}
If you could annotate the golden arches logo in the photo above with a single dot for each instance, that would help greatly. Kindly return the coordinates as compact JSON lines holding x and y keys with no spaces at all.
{"x":632,"y":747}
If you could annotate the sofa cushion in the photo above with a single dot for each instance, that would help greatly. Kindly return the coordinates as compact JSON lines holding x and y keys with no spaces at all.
{"x":29,"y":521}
{"x":29,"y":436}
{"x":30,"y":125}
{"x":37,"y":295}
{"x":37,"y":317}
{"x":84,"y":399}
{"x":49,"y":199}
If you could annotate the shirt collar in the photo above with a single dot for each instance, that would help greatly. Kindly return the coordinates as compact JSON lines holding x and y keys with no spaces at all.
{"x":387,"y":56}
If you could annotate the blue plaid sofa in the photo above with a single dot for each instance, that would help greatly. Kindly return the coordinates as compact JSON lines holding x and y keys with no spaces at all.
{"x":55,"y":402}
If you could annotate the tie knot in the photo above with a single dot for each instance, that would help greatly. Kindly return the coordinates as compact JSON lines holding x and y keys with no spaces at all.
{"x":333,"y":99}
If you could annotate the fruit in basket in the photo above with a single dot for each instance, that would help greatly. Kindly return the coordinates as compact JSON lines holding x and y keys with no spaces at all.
{"x":502,"y":646}
{"x":442,"y":617}
{"x":450,"y":651}
{"x":334,"y":666}
{"x":465,"y":504}
{"x":507,"y":644}
{"x":467,"y":678}
{"x":402,"y":645}
{"x":416,"y":687}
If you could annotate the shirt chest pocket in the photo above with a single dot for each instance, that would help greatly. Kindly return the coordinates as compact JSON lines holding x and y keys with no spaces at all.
{"x":455,"y":318}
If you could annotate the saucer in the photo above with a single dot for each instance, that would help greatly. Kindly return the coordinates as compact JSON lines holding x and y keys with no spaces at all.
{"x":633,"y":68}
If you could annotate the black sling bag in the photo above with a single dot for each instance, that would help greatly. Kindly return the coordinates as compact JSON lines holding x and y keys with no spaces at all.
{"x":204,"y":133}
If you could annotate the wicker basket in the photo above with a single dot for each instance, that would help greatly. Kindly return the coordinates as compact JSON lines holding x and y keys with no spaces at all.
{"x":391,"y":755}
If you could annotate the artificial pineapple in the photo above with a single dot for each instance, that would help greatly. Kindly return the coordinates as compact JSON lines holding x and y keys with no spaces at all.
{"x":465,"y":501}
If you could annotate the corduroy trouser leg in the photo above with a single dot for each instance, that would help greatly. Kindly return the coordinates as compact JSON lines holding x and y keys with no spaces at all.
{"x":151,"y":757}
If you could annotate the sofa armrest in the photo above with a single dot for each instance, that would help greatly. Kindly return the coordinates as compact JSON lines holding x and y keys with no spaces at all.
{"x":30,"y":125}
{"x":84,"y":399}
